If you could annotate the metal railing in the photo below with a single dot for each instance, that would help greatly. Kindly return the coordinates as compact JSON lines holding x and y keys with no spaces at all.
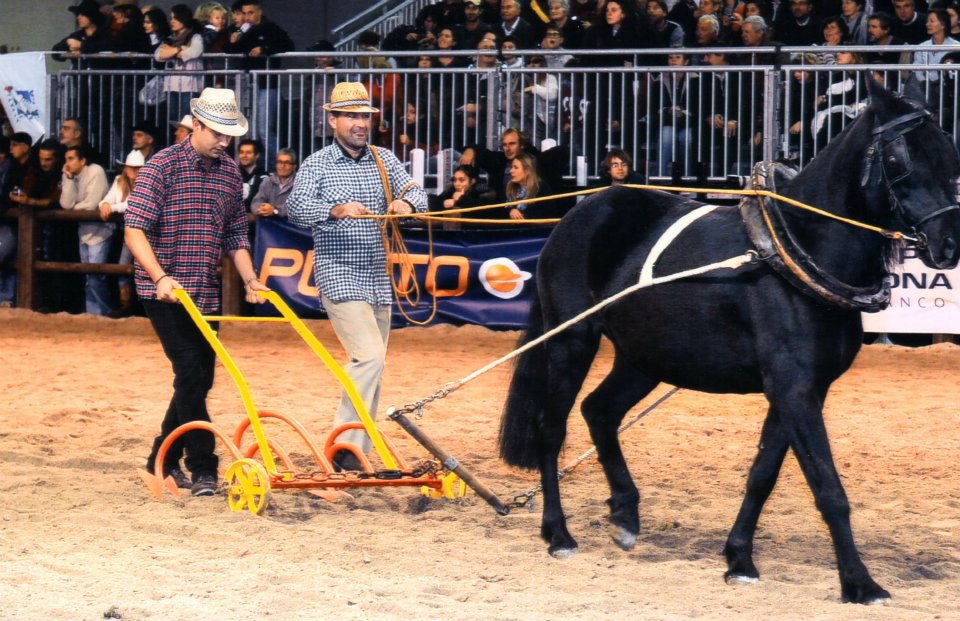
{"x":380,"y":18}
{"x":695,"y":122}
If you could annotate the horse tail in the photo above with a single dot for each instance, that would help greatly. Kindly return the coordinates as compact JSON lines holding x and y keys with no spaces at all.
{"x":519,"y":425}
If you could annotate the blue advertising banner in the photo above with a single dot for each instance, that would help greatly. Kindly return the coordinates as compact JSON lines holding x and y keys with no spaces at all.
{"x":481,"y":277}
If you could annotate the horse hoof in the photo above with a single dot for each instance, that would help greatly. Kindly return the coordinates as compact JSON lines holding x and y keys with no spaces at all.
{"x":740,"y":579}
{"x":624,"y":539}
{"x":563,"y":553}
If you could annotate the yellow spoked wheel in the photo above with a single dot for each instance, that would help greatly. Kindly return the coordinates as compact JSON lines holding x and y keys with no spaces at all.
{"x":453,"y":487}
{"x":248,"y":486}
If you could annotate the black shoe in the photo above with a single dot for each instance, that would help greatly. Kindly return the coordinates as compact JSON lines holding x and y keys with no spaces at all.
{"x":180,"y":478}
{"x":204,"y":485}
{"x":345,"y":460}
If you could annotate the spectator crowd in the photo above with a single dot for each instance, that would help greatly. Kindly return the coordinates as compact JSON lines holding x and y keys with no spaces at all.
{"x":442,"y":109}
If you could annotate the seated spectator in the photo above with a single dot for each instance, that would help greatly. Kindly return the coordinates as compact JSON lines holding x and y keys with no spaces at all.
{"x":617,"y":169}
{"x":585,"y":11}
{"x":879,"y":33}
{"x":954,"y":12}
{"x":116,"y":202}
{"x":844,"y":99}
{"x":834,"y":34}
{"x":473,"y":28}
{"x":666,"y":33}
{"x":802,"y":27}
{"x":540,"y":100}
{"x":463,"y":192}
{"x":618,"y":31}
{"x":427,"y":23}
{"x":17,"y":166}
{"x":571,"y":29}
{"x":674,"y":116}
{"x":323,"y":87}
{"x":84,"y":185}
{"x":252,"y":171}
{"x":910,"y":25}
{"x":938,"y":25}
{"x":714,"y":8}
{"x":513,"y":25}
{"x":852,"y":13}
{"x":182,"y":51}
{"x":553,"y":41}
{"x":497,"y":164}
{"x":526,"y":184}
{"x":706,"y":35}
{"x":271,"y":198}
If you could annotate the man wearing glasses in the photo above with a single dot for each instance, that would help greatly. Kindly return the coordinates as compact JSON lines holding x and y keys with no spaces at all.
{"x":271,"y":198}
{"x":347,"y":179}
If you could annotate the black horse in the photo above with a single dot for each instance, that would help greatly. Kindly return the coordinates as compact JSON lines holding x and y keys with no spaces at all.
{"x":786,"y":324}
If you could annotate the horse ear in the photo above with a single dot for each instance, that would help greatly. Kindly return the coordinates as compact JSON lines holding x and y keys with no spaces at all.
{"x":876,"y":90}
{"x":913,"y":90}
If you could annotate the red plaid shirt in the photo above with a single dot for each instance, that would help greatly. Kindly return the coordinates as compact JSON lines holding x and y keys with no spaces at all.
{"x":192,"y":214}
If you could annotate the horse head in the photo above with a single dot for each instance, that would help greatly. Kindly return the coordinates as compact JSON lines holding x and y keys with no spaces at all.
{"x":912,"y":165}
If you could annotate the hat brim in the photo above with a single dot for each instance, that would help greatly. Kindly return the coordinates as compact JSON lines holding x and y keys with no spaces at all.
{"x":123,"y":163}
{"x":239,"y":128}
{"x":335,"y":108}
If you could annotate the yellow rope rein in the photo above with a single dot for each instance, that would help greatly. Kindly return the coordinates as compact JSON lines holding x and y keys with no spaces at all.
{"x":394,"y":245}
{"x":447,"y":213}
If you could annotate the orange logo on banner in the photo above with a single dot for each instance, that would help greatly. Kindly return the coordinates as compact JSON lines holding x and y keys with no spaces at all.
{"x":503,"y":278}
{"x":461,"y":264}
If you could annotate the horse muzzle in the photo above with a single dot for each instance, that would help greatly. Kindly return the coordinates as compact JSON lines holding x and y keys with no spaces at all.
{"x":937,"y":238}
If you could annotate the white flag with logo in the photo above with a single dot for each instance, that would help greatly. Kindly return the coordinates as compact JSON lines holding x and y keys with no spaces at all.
{"x":23,"y":91}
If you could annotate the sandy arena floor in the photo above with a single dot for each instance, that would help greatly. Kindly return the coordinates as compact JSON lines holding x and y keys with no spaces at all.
{"x":82,"y":537}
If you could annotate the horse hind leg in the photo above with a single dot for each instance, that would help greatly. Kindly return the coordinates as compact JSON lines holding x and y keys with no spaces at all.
{"x":603,"y":411}
{"x":760,"y":482}
{"x":569,"y":356}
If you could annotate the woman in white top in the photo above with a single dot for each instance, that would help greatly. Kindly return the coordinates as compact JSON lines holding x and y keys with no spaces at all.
{"x":116,"y":202}
{"x":938,"y":27}
{"x":182,"y":51}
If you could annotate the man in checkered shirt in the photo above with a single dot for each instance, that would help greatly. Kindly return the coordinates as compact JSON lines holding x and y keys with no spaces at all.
{"x":334,"y":185}
{"x":184,"y":215}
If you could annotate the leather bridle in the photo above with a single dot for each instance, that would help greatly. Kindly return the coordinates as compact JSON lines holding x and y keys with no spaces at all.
{"x":889,"y":149}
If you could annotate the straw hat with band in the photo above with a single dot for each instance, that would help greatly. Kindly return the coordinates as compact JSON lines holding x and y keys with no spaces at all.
{"x":349,"y":97}
{"x":217,"y":109}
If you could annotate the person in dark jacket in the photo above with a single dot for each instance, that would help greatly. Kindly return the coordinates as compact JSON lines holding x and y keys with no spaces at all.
{"x":262,"y":39}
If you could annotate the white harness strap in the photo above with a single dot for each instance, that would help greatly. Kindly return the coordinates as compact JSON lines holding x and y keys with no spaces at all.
{"x":646,"y":273}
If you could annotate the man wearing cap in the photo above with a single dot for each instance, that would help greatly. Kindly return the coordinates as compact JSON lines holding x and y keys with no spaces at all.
{"x":346,"y":179}
{"x":183,"y":215}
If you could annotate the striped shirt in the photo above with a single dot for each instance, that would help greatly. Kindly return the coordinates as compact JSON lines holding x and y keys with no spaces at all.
{"x":350,"y":263}
{"x":192,"y":214}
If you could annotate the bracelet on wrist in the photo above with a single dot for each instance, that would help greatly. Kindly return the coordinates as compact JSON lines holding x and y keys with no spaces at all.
{"x":157,"y":281}
{"x":247,"y":282}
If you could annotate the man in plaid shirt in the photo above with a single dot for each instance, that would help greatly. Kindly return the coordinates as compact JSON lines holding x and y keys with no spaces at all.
{"x":184,"y":215}
{"x":341,"y":181}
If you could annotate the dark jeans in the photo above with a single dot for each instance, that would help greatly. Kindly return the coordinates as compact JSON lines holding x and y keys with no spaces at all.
{"x":193,"y":361}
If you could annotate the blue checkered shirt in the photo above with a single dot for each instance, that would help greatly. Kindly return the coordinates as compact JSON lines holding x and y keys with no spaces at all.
{"x":350,"y":263}
{"x":192,"y":213}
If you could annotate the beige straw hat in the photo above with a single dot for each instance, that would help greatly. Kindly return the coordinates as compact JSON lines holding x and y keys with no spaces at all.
{"x":349,"y":97}
{"x":217,"y":109}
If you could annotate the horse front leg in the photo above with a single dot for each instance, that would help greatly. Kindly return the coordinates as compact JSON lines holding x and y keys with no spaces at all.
{"x":763,"y":476}
{"x":803,"y":420}
{"x":569,"y":358}
{"x":604,"y":410}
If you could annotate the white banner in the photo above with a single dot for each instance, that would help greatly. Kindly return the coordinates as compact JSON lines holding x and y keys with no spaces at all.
{"x":23,"y":91}
{"x":923,"y":300}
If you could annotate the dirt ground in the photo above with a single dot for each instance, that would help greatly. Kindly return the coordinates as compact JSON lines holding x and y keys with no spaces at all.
{"x":83,"y":538}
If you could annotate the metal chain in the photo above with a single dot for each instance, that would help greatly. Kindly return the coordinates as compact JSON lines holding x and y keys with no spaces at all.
{"x":417,"y":406}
